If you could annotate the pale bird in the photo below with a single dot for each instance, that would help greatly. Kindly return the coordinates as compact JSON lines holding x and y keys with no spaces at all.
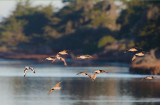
{"x":57,"y":57}
{"x":51,"y":59}
{"x":100,"y":71}
{"x":84,"y":73}
{"x":131,"y":49}
{"x":84,"y":57}
{"x":27,"y":68}
{"x":55,"y":88}
{"x":64,"y":52}
{"x":149,"y":77}
{"x":137,"y":54}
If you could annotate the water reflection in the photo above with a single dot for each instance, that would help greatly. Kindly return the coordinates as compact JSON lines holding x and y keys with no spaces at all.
{"x":116,"y":88}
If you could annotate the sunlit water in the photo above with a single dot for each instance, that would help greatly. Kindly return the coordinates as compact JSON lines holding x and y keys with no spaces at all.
{"x":118,"y":87}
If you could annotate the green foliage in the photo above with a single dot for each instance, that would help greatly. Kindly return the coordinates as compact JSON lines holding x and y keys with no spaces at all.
{"x":80,"y":25}
{"x":105,"y":40}
{"x":140,"y":23}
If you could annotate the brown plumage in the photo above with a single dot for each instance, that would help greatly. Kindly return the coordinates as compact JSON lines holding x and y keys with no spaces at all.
{"x":84,"y":73}
{"x":64,"y":61}
{"x":100,"y":71}
{"x":134,"y":57}
{"x":64,"y":52}
{"x":55,"y":88}
{"x":131,"y":49}
{"x":25,"y":71}
{"x":137,"y":54}
{"x":84,"y":57}
{"x":57,"y":57}
{"x":27,"y":68}
{"x":149,"y":77}
{"x":31,"y":68}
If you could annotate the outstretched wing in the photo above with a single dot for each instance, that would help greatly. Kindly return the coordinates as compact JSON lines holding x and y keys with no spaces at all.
{"x":94,"y":76}
{"x":64,"y":52}
{"x":53,"y":60}
{"x":64,"y":61}
{"x":50,"y":91}
{"x":32,"y":69}
{"x":134,"y":57}
{"x":25,"y":71}
{"x":57,"y":85}
{"x":103,"y":71}
{"x":80,"y":73}
{"x":90,"y":76}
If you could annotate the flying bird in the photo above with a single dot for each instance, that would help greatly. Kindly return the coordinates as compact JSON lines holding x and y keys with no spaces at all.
{"x":132,"y":49}
{"x":84,"y":57}
{"x":27,"y":68}
{"x":84,"y":73}
{"x":57,"y":57}
{"x":52,"y":58}
{"x":64,"y":52}
{"x":55,"y":88}
{"x":137,"y":54}
{"x":100,"y":71}
{"x":149,"y":77}
{"x":25,"y":71}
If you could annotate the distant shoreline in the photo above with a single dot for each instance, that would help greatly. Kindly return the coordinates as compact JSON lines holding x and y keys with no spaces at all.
{"x":24,"y":56}
{"x":108,"y":58}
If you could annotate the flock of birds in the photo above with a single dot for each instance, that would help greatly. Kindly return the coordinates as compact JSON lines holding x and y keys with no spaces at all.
{"x":58,"y":57}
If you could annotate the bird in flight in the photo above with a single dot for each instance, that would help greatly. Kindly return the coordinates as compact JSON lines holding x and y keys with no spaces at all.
{"x":84,"y":57}
{"x":100,"y":71}
{"x":132,"y":49}
{"x":84,"y":73}
{"x":64,"y":52}
{"x":149,"y":77}
{"x":137,"y":54}
{"x":27,"y":68}
{"x":57,"y":57}
{"x":57,"y":87}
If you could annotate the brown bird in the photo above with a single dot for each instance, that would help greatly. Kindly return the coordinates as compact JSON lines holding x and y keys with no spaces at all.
{"x":57,"y":57}
{"x":84,"y":73}
{"x":100,"y":71}
{"x":27,"y":68}
{"x":64,"y":52}
{"x":149,"y":77}
{"x":55,"y":87}
{"x":52,"y":58}
{"x":84,"y":57}
{"x":137,"y":54}
{"x":131,"y":49}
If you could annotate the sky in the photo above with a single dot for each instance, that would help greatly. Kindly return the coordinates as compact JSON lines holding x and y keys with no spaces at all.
{"x":8,"y":6}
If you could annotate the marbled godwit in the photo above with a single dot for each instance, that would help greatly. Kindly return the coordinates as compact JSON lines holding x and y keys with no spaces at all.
{"x":84,"y":57}
{"x":84,"y":73}
{"x":137,"y":54}
{"x":55,"y":87}
{"x":132,"y":49}
{"x":27,"y":68}
{"x":149,"y":77}
{"x":57,"y":57}
{"x":100,"y":71}
{"x":64,"y":52}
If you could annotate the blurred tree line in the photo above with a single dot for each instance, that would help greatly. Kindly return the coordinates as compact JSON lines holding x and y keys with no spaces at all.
{"x":88,"y":26}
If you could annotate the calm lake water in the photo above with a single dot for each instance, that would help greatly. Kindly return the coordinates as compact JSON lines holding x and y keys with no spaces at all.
{"x":118,"y":87}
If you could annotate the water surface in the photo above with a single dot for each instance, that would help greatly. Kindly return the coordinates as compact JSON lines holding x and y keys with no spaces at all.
{"x":118,"y":87}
